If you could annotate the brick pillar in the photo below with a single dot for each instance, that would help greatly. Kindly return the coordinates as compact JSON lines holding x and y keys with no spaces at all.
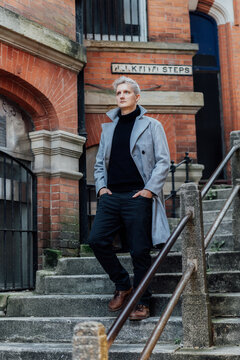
{"x":235,"y":168}
{"x":195,"y":302}
{"x":90,"y":341}
{"x":56,"y":158}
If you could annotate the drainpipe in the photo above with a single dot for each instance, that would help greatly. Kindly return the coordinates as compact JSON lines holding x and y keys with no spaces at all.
{"x":83,"y":218}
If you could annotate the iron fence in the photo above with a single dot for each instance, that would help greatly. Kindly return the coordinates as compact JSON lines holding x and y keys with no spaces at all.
{"x":18,"y":225}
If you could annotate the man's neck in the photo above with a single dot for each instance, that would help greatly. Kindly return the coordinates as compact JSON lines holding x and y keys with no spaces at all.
{"x":127,"y":111}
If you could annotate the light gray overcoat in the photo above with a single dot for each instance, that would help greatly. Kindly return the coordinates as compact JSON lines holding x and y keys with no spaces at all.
{"x":149,"y":150}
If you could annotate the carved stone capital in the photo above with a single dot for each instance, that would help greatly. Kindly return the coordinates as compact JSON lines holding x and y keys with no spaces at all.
{"x":56,"y":153}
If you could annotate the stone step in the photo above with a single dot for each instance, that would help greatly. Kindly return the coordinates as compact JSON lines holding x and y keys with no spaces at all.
{"x":222,"y":304}
{"x":50,"y":330}
{"x":225,"y":304}
{"x":225,"y":228}
{"x":46,"y":330}
{"x":174,"y":352}
{"x":210,"y":205}
{"x":89,"y":265}
{"x":32,"y":351}
{"x":226,"y":331}
{"x":162,"y":283}
{"x":223,"y":260}
{"x":221,"y":242}
{"x":217,"y":260}
{"x":73,"y":305}
{"x":210,"y":216}
{"x":59,"y":351}
{"x":222,"y":193}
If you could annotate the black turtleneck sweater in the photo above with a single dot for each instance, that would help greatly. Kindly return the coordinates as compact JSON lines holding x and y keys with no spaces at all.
{"x":123,"y":174}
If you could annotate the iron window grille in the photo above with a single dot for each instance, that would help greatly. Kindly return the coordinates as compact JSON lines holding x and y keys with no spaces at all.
{"x":115,"y":20}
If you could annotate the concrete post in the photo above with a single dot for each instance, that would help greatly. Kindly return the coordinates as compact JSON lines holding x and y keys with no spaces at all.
{"x":196,"y":315}
{"x":235,"y":169}
{"x":90,"y":341}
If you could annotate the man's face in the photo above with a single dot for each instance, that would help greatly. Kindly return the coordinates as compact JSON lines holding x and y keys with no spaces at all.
{"x":126,"y":98}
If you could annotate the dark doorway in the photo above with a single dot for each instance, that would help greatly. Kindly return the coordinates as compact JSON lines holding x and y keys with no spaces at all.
{"x":206,"y":75}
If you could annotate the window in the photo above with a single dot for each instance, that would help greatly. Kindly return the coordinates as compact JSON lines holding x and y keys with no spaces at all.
{"x":3,"y":131}
{"x":115,"y":20}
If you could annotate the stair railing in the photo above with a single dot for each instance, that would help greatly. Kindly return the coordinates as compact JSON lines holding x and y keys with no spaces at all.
{"x":191,"y":266}
{"x":173,"y":193}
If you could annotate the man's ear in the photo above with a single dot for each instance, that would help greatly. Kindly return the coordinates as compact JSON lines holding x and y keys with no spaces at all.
{"x":137,"y":97}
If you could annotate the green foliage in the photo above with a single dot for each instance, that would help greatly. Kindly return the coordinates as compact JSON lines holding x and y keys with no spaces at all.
{"x":177,"y":341}
{"x":217,"y":245}
{"x":211,"y":195}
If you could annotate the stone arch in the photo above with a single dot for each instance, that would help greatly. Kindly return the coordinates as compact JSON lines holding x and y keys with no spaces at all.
{"x":221,"y":10}
{"x":30,"y":99}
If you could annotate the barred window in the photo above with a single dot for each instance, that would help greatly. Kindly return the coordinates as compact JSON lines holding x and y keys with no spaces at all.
{"x":115,"y":20}
{"x":3,"y":139}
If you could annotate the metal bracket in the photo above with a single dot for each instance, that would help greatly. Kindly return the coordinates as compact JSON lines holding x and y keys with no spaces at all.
{"x":195,"y":262}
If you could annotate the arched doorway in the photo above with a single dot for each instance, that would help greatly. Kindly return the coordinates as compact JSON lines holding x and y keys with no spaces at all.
{"x":18,"y":236}
{"x":206,"y":75}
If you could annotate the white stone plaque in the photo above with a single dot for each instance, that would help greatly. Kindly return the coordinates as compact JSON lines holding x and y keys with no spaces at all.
{"x":150,"y":69}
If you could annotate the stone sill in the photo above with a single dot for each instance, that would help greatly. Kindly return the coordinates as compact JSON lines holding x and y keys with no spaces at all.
{"x":141,"y":47}
{"x":158,"y":102}
{"x":29,"y":36}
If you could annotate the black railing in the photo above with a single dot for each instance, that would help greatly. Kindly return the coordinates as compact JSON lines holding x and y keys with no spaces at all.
{"x":173,"y":194}
{"x":18,"y":225}
{"x":115,"y":20}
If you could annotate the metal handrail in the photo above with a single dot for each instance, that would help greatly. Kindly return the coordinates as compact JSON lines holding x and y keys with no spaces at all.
{"x":218,"y":170}
{"x":220,"y":216}
{"x":190,"y":269}
{"x":167,"y":312}
{"x":117,"y":325}
{"x":120,"y":320}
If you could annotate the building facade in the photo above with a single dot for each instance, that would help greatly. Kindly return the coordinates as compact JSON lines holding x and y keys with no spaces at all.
{"x":185,"y":55}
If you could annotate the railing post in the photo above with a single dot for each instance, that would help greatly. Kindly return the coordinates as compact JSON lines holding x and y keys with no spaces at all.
{"x":195,"y":302}
{"x":89,"y":341}
{"x":235,"y":168}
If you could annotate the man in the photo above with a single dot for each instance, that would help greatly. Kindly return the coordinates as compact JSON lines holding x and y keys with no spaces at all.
{"x":131,"y":167}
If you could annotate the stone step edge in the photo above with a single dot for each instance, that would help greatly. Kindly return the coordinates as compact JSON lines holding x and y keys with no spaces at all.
{"x":224,"y":351}
{"x":105,"y":276}
{"x":103,"y":296}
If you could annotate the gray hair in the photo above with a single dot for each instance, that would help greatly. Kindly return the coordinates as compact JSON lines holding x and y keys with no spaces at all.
{"x":129,"y":81}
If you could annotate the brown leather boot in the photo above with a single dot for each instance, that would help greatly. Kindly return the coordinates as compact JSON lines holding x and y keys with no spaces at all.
{"x":140,"y":312}
{"x":119,"y":299}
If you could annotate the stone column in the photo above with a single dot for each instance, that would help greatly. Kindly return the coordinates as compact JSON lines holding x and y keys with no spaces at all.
{"x":235,"y":169}
{"x":90,"y":341}
{"x":195,"y":302}
{"x":56,"y":164}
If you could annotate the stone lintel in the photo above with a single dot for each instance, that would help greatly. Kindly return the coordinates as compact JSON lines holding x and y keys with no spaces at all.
{"x":29,"y":36}
{"x":156,"y":102}
{"x":56,"y":153}
{"x":142,"y":47}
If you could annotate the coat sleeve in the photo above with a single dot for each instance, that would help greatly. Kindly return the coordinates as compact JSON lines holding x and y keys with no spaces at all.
{"x":99,"y":168}
{"x":162,"y":159}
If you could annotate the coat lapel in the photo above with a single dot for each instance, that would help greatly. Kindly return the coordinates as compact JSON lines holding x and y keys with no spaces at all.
{"x":140,"y":125}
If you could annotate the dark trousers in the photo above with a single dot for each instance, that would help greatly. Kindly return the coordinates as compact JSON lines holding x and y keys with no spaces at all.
{"x":135,"y":214}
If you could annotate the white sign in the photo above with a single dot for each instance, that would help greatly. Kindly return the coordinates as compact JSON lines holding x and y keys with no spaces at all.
{"x":149,"y":69}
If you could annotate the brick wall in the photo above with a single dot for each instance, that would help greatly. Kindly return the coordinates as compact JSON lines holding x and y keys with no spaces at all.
{"x":204,"y":5}
{"x":47,"y":91}
{"x":168,"y":21}
{"x":56,"y":15}
{"x":49,"y":94}
{"x":98,"y":72}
